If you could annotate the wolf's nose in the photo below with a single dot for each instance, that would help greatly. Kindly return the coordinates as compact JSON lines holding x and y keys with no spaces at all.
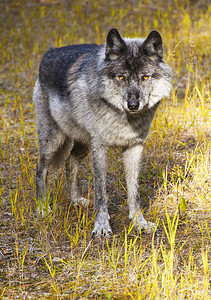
{"x":133,"y":105}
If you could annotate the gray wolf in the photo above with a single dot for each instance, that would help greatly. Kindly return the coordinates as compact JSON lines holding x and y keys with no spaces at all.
{"x":92,"y":97}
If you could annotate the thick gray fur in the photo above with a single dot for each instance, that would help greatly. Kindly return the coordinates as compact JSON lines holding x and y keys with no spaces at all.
{"x":91,"y":97}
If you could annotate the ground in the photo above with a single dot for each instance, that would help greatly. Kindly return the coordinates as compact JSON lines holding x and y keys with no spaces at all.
{"x":55,"y":257}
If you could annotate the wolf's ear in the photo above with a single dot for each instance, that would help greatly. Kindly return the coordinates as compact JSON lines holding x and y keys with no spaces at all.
{"x":153,"y":45}
{"x":115,"y":45}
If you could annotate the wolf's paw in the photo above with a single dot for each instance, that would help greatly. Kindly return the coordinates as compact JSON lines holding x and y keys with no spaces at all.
{"x":141,"y":224}
{"x":81,"y":201}
{"x":102,"y":229}
{"x":43,"y":210}
{"x":147,"y":228}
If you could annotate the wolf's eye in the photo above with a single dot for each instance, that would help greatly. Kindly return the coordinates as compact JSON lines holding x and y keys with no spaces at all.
{"x":121,"y":77}
{"x":145,"y":77}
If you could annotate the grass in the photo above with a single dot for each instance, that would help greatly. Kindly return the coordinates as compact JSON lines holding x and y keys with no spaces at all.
{"x":54,"y":258}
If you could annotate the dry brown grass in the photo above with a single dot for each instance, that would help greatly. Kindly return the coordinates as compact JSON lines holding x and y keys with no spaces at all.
{"x":54,"y":258}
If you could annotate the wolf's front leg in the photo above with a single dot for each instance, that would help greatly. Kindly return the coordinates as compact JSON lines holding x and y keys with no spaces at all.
{"x":99,"y":158}
{"x":132,"y":162}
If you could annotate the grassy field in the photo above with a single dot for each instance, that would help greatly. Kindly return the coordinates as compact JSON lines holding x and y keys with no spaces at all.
{"x":54,"y":257}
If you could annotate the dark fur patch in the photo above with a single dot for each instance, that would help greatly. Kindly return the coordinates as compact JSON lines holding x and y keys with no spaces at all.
{"x":57,"y":62}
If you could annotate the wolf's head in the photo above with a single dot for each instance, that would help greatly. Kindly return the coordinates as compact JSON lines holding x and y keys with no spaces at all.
{"x":135,"y":75}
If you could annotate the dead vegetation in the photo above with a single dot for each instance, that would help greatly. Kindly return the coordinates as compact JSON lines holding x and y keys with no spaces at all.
{"x":54,"y":258}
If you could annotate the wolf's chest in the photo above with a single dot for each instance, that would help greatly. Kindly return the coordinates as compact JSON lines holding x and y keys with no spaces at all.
{"x":120,"y":134}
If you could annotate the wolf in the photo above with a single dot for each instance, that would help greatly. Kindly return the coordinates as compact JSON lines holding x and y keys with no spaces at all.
{"x":92,"y":97}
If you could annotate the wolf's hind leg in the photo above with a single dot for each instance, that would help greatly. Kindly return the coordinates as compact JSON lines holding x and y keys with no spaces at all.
{"x":78,"y":152}
{"x":41,"y":178}
{"x":54,"y":145}
{"x":53,"y":150}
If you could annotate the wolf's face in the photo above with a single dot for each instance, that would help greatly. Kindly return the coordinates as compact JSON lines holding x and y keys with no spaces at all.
{"x":136,"y":71}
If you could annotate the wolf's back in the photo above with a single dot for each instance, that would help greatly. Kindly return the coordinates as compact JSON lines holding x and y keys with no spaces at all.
{"x":56,"y":63}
